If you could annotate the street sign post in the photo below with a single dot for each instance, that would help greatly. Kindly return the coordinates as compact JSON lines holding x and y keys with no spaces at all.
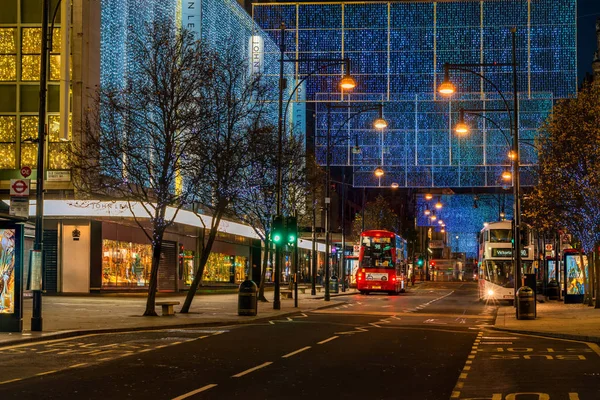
{"x":19,"y":187}
{"x":25,"y":172}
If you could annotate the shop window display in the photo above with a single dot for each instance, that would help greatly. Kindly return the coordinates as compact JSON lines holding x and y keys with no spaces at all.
{"x":225,"y":268}
{"x":125,"y":264}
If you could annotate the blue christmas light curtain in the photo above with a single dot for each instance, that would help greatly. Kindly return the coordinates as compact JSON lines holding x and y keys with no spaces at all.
{"x":398,"y":50}
{"x":464,"y":216}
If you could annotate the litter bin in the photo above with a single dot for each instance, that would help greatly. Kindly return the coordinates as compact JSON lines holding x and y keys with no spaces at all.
{"x":334,"y":285}
{"x":525,"y":303}
{"x":552,"y":290}
{"x":247,"y":298}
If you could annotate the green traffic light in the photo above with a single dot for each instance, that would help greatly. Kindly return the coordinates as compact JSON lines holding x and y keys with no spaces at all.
{"x":276,"y":238}
{"x":291,"y":238}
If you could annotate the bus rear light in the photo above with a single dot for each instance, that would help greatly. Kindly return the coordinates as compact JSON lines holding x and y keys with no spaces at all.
{"x":359,"y":277}
{"x":393,"y":279}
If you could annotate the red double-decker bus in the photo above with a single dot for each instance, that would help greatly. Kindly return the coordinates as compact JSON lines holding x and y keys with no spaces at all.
{"x":382,"y":262}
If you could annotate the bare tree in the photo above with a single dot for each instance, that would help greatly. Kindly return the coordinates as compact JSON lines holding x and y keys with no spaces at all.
{"x":136,"y":142}
{"x":256,"y":205}
{"x":234,"y":139}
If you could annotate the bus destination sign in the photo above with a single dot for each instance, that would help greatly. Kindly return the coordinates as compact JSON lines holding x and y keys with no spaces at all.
{"x":496,"y":252}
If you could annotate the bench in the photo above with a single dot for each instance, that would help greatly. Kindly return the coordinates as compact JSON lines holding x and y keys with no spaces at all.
{"x":286,"y":294}
{"x":319,"y":288}
{"x":302,"y":289}
{"x":167,"y":307}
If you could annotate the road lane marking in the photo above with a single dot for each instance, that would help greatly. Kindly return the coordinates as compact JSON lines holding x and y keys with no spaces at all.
{"x":193,"y":392}
{"x":77,"y":365}
{"x":296,"y":352}
{"x":252,"y":369}
{"x":272,"y":323}
{"x":12,"y":380}
{"x":499,"y":337}
{"x":573,"y":396}
{"x":594,"y":347}
{"x":46,"y":373}
{"x":496,"y":342}
{"x":289,"y":319}
{"x":328,"y":340}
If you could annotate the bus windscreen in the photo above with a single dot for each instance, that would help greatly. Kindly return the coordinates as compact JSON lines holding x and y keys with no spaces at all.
{"x":377,"y":253}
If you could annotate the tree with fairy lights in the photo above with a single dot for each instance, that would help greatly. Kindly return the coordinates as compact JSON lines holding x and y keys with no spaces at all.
{"x":256,"y":202}
{"x":568,"y":190}
{"x":138,"y":137}
{"x":237,"y":137}
{"x":377,"y":215}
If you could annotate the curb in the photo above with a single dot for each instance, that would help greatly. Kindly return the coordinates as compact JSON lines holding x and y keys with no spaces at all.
{"x":556,"y":335}
{"x":76,"y":333}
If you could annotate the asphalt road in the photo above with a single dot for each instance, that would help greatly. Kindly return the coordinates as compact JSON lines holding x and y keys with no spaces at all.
{"x":430,"y":343}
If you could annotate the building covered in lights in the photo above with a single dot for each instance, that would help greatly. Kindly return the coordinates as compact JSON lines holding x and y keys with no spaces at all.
{"x":397,"y":51}
{"x":96,"y":245}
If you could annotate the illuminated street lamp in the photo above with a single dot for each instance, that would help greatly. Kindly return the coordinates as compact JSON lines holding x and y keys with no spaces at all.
{"x":506,"y":175}
{"x":378,"y":172}
{"x":447,"y":88}
{"x":378,"y":123}
{"x":427,"y":210}
{"x":395,"y":185}
{"x":428,"y":196}
{"x":439,"y":204}
{"x":346,"y":83}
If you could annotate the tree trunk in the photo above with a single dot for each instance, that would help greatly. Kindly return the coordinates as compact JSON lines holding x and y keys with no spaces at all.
{"x":203,"y":259}
{"x":263,"y":272}
{"x":153,"y":284}
{"x":597,"y":275}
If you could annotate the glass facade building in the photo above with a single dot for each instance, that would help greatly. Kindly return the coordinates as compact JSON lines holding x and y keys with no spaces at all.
{"x":20,"y":47}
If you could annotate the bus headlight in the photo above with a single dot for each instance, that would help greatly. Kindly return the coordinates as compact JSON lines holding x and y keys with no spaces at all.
{"x":490,"y":292}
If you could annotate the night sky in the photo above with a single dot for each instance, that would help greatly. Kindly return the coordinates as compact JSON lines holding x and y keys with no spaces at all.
{"x":587,"y":12}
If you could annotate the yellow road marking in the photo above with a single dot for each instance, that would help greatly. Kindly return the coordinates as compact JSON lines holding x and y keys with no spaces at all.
{"x":594,"y":347}
{"x":573,"y":396}
{"x":296,"y":352}
{"x":455,"y":395}
{"x":193,"y":392}
{"x":463,"y":376}
{"x":252,"y":369}
{"x":12,"y":380}
{"x":328,"y":340}
{"x":77,"y":365}
{"x":46,"y":373}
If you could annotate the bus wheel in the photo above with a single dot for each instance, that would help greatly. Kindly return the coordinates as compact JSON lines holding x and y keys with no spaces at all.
{"x":402,"y":290}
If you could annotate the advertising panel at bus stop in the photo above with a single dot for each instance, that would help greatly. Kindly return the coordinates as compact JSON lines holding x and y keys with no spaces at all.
{"x":11,"y":277}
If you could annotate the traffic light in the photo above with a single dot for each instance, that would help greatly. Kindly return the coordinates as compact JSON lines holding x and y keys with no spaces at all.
{"x":278,"y":229}
{"x":420,"y":261}
{"x":291,"y":229}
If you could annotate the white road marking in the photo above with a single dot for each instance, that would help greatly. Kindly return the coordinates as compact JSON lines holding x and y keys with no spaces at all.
{"x":289,"y":319}
{"x":296,"y":352}
{"x":499,"y":337}
{"x":252,"y":369}
{"x":496,"y":342}
{"x":45,"y":373}
{"x":328,"y":340}
{"x":193,"y":392}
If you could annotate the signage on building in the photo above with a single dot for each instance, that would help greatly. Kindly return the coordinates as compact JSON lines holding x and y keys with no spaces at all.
{"x":58,"y":176}
{"x":257,"y":54}
{"x":549,"y":247}
{"x":191,"y":16}
{"x":436,"y":244}
{"x":19,"y":187}
{"x":299,"y":111}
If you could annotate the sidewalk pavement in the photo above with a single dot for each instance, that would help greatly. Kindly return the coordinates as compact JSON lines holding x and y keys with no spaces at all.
{"x":67,"y":316}
{"x":554,"y":319}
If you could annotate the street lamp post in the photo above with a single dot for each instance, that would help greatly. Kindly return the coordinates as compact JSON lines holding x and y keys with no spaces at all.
{"x":379,"y":123}
{"x":346,"y":83}
{"x":447,"y":88}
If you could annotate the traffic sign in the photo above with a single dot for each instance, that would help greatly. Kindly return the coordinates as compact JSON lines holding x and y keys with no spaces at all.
{"x":25,"y":171}
{"x":549,"y":247}
{"x":19,"y":187}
